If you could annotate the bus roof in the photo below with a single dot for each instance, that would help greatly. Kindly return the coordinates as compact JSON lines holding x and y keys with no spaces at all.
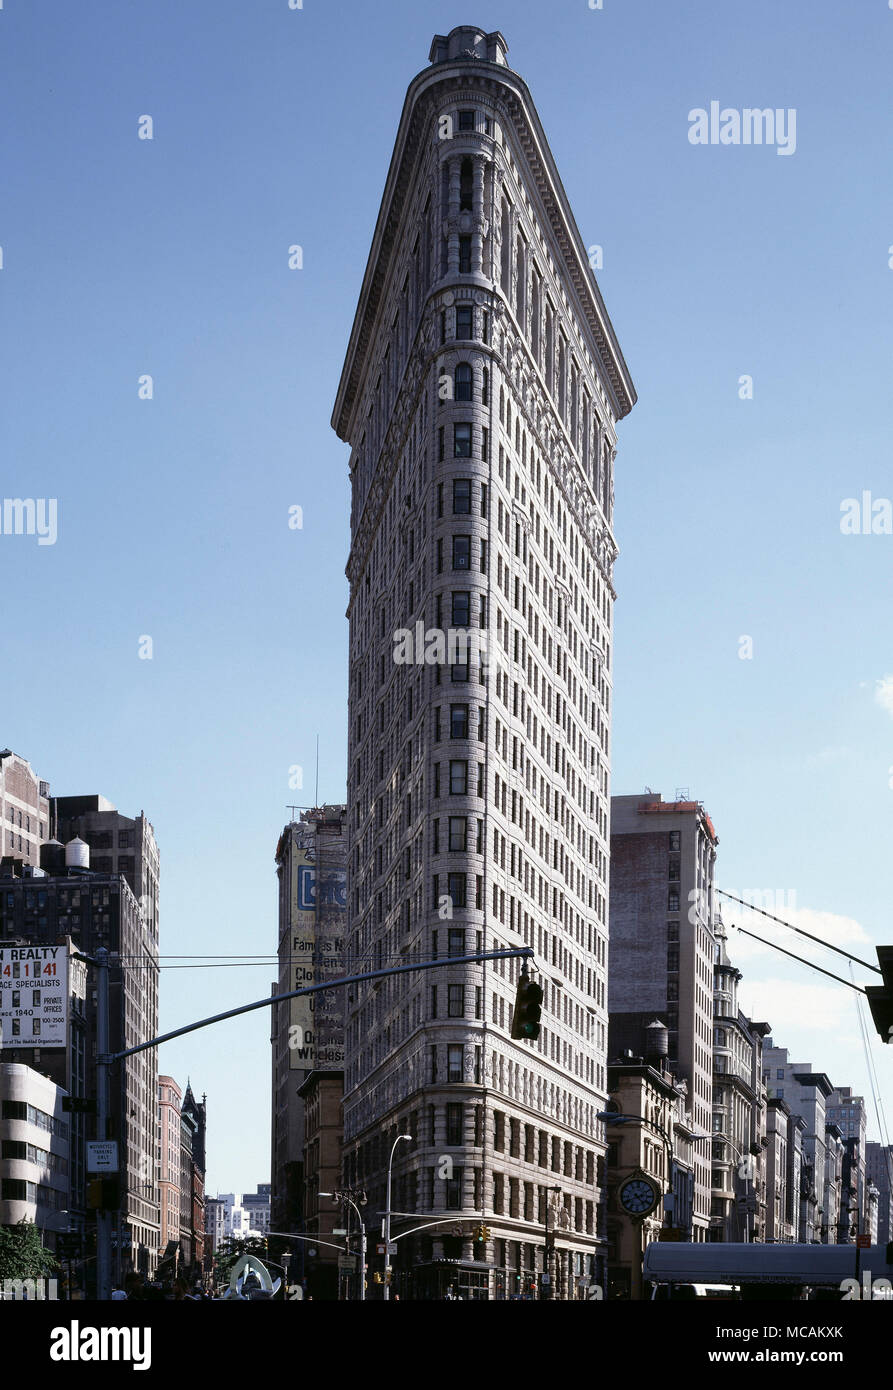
{"x":676,"y":1263}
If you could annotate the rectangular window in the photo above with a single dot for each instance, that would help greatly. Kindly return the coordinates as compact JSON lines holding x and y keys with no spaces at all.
{"x":461,"y":552}
{"x":440,"y":448}
{"x":458,"y":778}
{"x":458,"y":834}
{"x":466,"y":120}
{"x":675,"y":839}
{"x":458,"y":721}
{"x":454,"y":1190}
{"x":455,"y":1059}
{"x":461,"y":609}
{"x":455,"y":941}
{"x":454,"y":1126}
{"x":462,"y":496}
{"x":457,"y":889}
{"x":432,"y":1065}
{"x":456,"y":1001}
{"x":673,"y":900}
{"x":434,"y":1001}
{"x":462,"y":439}
{"x":465,"y":255}
{"x":464,"y":323}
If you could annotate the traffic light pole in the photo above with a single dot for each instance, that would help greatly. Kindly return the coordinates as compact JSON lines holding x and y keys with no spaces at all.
{"x":106,"y":1059}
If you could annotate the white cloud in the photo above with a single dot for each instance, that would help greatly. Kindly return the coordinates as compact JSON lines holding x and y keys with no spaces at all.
{"x":883,"y":693}
{"x":830,"y":926}
{"x":790,"y":1005}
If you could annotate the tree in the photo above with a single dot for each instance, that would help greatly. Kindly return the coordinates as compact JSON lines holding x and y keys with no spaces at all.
{"x":23,"y":1254}
{"x":232,"y":1249}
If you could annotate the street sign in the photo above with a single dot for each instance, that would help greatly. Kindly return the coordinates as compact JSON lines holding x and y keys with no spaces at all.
{"x":79,"y":1105}
{"x":339,"y":1231}
{"x":348,"y":1262}
{"x":392,"y":1248}
{"x":380,"y":1249}
{"x":102,"y":1156}
{"x":546,"y":1279}
{"x":33,"y":996}
{"x":863,"y":1242}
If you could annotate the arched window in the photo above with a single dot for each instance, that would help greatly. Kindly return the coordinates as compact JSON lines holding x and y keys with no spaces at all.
{"x":521,"y":285}
{"x":466,"y":185}
{"x":506,"y":275}
{"x":535,"y":316}
{"x":462,"y":381}
{"x":550,"y":349}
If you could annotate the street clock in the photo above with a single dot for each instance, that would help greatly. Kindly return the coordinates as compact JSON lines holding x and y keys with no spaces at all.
{"x":639,"y":1195}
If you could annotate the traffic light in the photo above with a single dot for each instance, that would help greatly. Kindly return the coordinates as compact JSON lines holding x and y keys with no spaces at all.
{"x":482,"y":1234}
{"x":880,"y":997}
{"x":526,"y":1015}
{"x":103,"y":1194}
{"x":376,"y":1278}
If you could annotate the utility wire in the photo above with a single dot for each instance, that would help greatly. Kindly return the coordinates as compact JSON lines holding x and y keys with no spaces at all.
{"x":800,"y":932}
{"x":880,"y":1113}
{"x":802,"y":959}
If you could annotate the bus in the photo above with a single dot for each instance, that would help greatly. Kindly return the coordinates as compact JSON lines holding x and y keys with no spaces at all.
{"x":831,"y":1272}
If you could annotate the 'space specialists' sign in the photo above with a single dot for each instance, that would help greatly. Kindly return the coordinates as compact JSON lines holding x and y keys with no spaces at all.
{"x":33,"y":996}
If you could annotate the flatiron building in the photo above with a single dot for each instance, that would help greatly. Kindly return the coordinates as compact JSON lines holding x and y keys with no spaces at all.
{"x":480,"y":393}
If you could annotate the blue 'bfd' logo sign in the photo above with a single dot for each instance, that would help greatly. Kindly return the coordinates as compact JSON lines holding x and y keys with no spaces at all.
{"x":306,"y":888}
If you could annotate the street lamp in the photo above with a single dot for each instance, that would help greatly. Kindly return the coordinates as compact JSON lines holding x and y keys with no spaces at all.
{"x":548,"y":1252}
{"x":747,"y":1175}
{"x":346,"y":1197}
{"x":406,"y":1138}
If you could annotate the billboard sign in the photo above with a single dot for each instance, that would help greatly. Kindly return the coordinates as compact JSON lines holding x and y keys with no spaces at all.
{"x":33,"y":996}
{"x":318,"y":912}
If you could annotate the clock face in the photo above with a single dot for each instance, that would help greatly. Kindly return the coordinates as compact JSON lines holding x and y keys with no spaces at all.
{"x":637,"y":1196}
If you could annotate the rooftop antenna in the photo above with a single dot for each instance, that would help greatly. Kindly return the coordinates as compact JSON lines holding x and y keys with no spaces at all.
{"x":316,"y":793}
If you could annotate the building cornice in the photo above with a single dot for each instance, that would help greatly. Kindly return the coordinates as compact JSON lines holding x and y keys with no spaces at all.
{"x":419,"y":109}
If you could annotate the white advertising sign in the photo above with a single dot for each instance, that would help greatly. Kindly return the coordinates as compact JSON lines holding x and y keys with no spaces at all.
{"x":33,"y":996}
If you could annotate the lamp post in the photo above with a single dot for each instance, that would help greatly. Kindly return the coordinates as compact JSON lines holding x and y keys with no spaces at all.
{"x":548,"y":1250}
{"x":345,"y":1197}
{"x":747,"y":1164}
{"x":407,"y":1138}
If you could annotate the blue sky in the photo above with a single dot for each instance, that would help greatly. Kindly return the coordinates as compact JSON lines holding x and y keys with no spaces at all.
{"x":169,"y":257}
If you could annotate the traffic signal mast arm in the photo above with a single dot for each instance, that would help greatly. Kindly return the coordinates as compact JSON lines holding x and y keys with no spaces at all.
{"x":519,"y":952}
